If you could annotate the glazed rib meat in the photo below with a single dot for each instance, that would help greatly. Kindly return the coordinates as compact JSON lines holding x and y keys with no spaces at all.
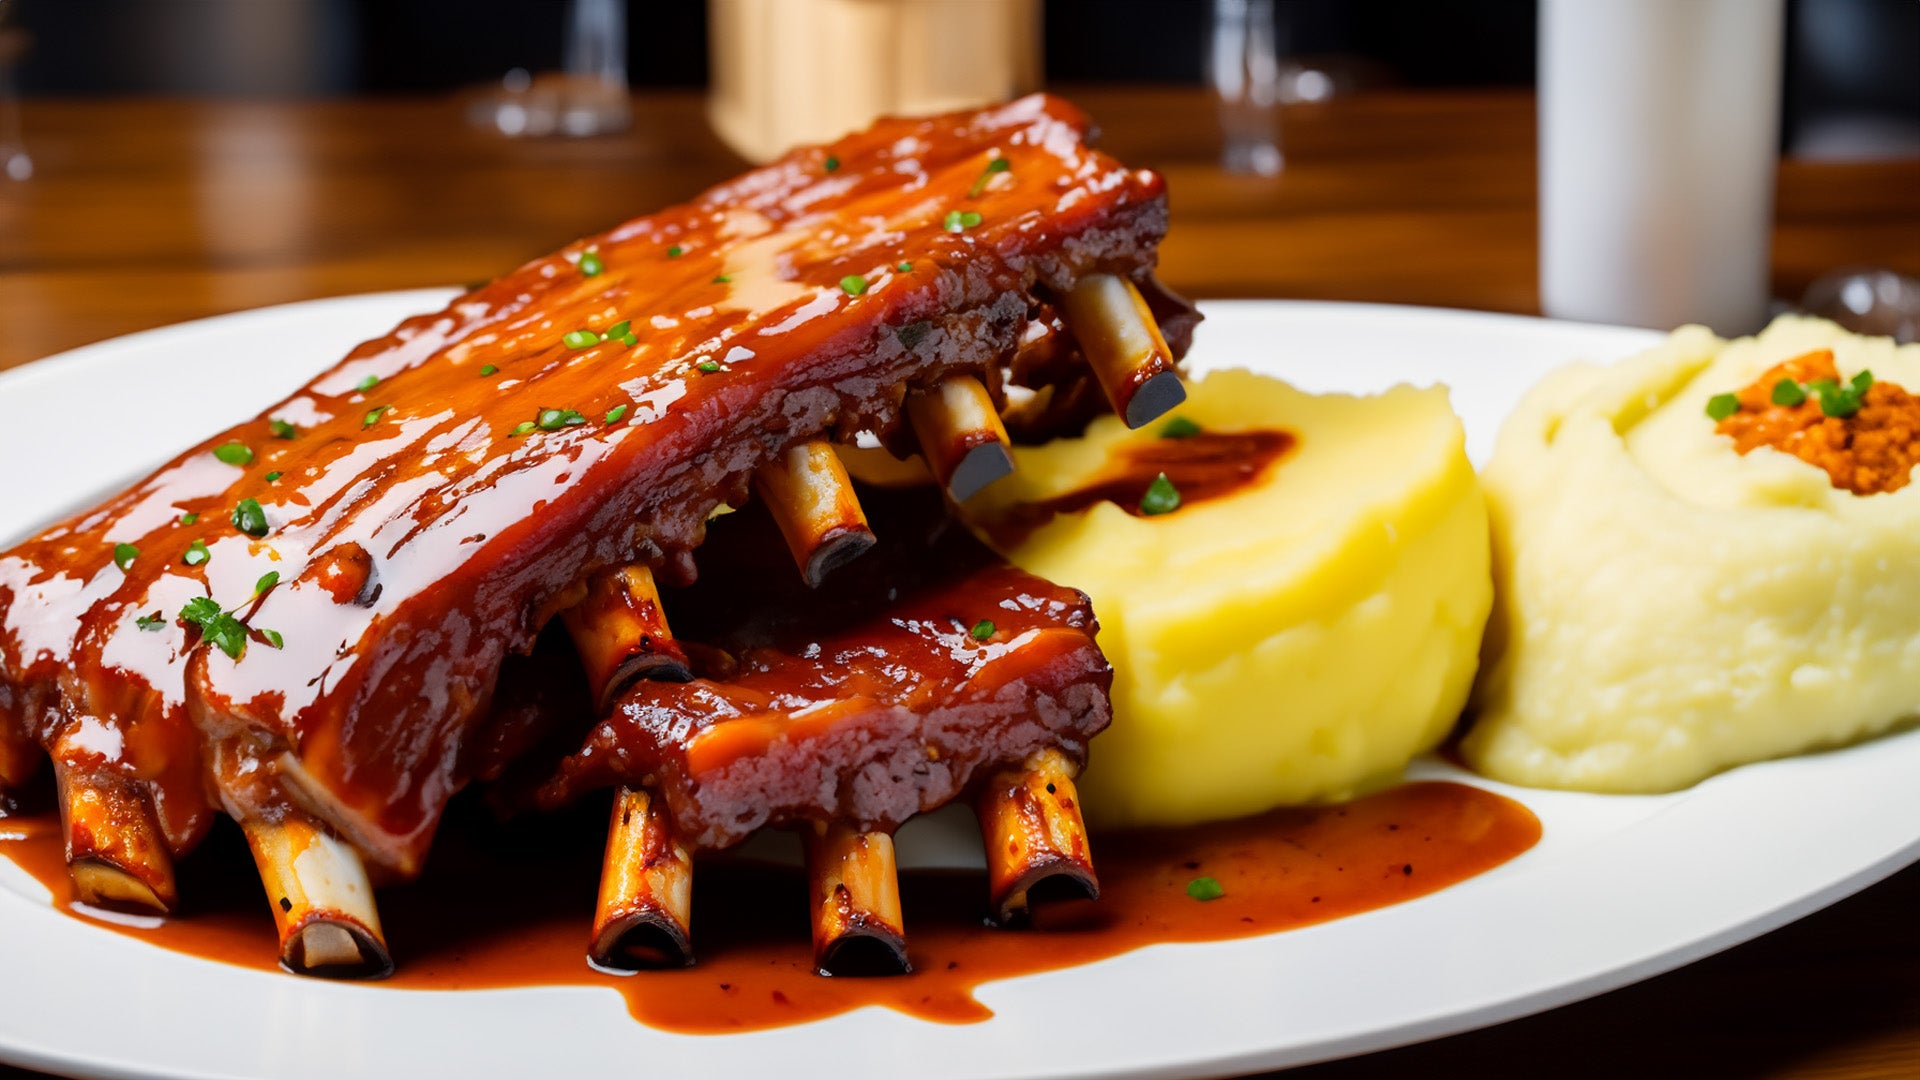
{"x":922,"y":670}
{"x":306,"y":613}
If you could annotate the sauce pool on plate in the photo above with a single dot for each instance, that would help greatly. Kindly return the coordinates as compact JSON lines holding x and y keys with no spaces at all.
{"x":1273,"y":872}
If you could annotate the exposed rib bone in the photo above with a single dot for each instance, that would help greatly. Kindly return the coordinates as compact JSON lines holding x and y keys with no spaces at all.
{"x":322,"y":902}
{"x":646,"y":890}
{"x":621,"y":634}
{"x":857,"y":928}
{"x":116,"y":854}
{"x":1030,"y":820}
{"x":1122,"y":343}
{"x":960,"y":435}
{"x":813,"y":501}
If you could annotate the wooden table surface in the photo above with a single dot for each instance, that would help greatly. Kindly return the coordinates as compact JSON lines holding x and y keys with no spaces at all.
{"x":143,"y":214}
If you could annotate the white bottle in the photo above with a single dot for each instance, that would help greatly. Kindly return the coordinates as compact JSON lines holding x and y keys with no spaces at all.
{"x":1659,"y":132}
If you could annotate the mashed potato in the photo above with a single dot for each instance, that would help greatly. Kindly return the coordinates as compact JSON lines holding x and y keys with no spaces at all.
{"x":1295,"y":641}
{"x":1668,"y":608}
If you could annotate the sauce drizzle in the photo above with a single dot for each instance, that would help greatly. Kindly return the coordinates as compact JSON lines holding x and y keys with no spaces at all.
{"x":456,"y":929}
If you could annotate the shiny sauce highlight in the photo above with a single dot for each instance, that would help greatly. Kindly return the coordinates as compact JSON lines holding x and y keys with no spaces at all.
{"x":457,"y":929}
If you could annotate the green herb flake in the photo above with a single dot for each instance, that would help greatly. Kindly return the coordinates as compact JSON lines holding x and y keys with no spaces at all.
{"x":707,"y":367}
{"x":619,"y":329}
{"x":629,"y":339}
{"x":723,"y":279}
{"x":590,"y":264}
{"x":200,"y":611}
{"x":249,"y":518}
{"x":853,"y":284}
{"x":905,"y":268}
{"x":155,"y":621}
{"x":1179,"y":427}
{"x":521,"y":428}
{"x":367,"y":383}
{"x":581,"y":339}
{"x":1862,"y":382}
{"x":196,"y":553}
{"x":189,"y":518}
{"x":1721,"y":406}
{"x":124,"y":554}
{"x":274,"y":476}
{"x":281,"y":429}
{"x":997,"y":165}
{"x":676,"y":251}
{"x":1789,"y":393}
{"x":615,"y":414}
{"x":960,"y":220}
{"x":832,"y":164}
{"x":373,"y":416}
{"x":1161,"y":497}
{"x":983,"y":630}
{"x":1204,"y":889}
{"x":234,"y":453}
{"x":555,"y":419}
{"x":267,"y":581}
{"x":273,"y":638}
{"x":489,"y":369}
{"x":228,"y":634}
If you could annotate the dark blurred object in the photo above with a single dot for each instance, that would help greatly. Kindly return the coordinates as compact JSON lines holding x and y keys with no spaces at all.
{"x":217,"y":48}
{"x":1853,"y":79}
{"x":588,"y":96}
{"x":1244,"y":62}
{"x":1866,"y":300}
{"x":14,"y":162}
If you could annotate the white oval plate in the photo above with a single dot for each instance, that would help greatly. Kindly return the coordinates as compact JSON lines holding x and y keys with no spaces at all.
{"x":1620,"y":888}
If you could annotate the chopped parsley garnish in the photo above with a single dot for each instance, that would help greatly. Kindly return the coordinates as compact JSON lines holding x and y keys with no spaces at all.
{"x":196,"y":553}
{"x":997,"y":165}
{"x":267,"y":581}
{"x":521,"y":428}
{"x":249,"y":518}
{"x":373,"y":416}
{"x":1789,"y":393}
{"x":124,"y":554}
{"x":960,"y":220}
{"x":580,"y":339}
{"x":282,"y":429}
{"x":905,"y":268}
{"x":853,"y":284}
{"x":982,"y":630}
{"x":1179,"y":428}
{"x":676,"y":251}
{"x":275,"y":475}
{"x":555,"y":419}
{"x":234,"y":453}
{"x":832,"y":164}
{"x":590,"y":263}
{"x":707,"y":367}
{"x":1161,"y":497}
{"x":489,"y":369}
{"x":367,"y":383}
{"x":615,"y":414}
{"x":227,"y":633}
{"x":619,"y":329}
{"x":1204,"y":889}
{"x":155,"y":621}
{"x":189,"y":518}
{"x":629,"y":339}
{"x":1721,"y":406}
{"x":723,"y":279}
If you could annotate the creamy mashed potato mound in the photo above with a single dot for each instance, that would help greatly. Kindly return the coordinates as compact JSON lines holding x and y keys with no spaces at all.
{"x":1295,"y":641}
{"x":1668,"y":608}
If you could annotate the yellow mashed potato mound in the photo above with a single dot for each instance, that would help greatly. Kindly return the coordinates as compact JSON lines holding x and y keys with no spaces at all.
{"x":1668,"y":608}
{"x":1296,"y":641}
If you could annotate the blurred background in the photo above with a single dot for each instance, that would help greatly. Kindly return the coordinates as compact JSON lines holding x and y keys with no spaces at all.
{"x":166,"y":159}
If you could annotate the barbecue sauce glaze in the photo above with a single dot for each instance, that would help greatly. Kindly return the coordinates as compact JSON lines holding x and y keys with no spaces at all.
{"x":1279,"y":871}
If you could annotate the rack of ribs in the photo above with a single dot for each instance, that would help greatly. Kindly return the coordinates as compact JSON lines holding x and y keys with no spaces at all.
{"x":301,"y":622}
